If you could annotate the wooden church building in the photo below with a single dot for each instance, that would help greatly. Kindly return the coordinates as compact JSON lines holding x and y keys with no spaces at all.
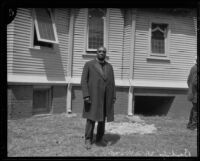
{"x":151,"y":50}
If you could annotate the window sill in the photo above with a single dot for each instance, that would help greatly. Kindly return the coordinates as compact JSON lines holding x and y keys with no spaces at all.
{"x":43,"y":50}
{"x":158,"y":58}
{"x":91,"y":50}
{"x":92,"y":56}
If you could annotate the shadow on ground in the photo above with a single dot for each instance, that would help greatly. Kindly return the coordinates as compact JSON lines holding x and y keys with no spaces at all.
{"x":112,"y":138}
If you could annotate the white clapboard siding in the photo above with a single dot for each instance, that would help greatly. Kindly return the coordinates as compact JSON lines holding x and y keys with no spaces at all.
{"x":116,"y":40}
{"x":62,"y":17}
{"x":10,"y":42}
{"x":182,"y":48}
{"x":40,"y":62}
{"x":79,"y":47}
{"x":117,"y":56}
{"x":126,"y":45}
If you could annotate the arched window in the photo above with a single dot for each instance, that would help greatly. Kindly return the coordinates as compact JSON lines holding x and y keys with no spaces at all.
{"x":96,"y":28}
{"x":158,"y":36}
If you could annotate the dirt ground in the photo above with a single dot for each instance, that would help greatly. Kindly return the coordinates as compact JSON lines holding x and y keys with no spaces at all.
{"x":63,"y":135}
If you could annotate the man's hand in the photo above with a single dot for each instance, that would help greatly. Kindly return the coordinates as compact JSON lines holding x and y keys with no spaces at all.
{"x":87,"y":99}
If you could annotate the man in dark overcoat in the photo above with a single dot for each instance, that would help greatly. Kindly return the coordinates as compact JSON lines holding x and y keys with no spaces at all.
{"x":192,"y":96}
{"x":98,"y":89}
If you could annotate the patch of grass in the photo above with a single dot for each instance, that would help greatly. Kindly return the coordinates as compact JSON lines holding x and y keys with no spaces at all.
{"x":59,"y":135}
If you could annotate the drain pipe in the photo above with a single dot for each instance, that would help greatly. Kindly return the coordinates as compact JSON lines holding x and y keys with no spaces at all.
{"x":69,"y":98}
{"x":69,"y":71}
{"x":131,"y":88}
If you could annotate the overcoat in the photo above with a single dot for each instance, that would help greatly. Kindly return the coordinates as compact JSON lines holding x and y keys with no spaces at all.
{"x":100,"y":87}
{"x":192,"y":84}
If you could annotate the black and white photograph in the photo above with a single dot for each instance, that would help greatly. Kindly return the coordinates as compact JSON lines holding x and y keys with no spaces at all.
{"x":102,"y":81}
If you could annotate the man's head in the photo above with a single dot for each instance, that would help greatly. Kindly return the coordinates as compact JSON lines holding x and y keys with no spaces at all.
{"x":101,"y":53}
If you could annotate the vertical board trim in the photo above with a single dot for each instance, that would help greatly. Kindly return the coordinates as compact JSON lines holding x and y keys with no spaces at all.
{"x":133,"y":24}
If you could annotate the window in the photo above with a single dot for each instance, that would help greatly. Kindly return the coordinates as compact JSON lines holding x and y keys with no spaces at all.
{"x":159,"y":35}
{"x":96,"y":28}
{"x":44,"y":28}
{"x":41,"y":100}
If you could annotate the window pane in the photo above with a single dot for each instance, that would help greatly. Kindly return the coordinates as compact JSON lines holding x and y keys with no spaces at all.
{"x":158,"y":38}
{"x":45,"y":24}
{"x":96,"y":28}
{"x":158,"y":46}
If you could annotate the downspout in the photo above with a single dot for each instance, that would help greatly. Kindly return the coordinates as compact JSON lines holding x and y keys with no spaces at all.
{"x":132,"y":49}
{"x":69,"y":69}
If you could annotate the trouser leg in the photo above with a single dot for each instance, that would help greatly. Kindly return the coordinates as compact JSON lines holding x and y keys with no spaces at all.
{"x":101,"y":124}
{"x":100,"y":130}
{"x":193,"y":117}
{"x":89,"y":129}
{"x":190,"y":118}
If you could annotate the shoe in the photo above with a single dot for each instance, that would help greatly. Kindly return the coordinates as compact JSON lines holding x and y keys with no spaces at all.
{"x":101,"y":142}
{"x":88,"y":144}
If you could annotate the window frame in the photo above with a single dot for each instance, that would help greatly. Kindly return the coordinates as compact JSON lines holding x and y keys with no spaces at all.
{"x":164,"y":55}
{"x":35,"y":25}
{"x":105,"y":28}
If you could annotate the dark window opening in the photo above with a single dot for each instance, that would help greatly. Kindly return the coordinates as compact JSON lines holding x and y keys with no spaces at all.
{"x":152,"y":105}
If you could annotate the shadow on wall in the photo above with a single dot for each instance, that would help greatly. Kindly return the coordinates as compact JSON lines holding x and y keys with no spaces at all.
{"x":52,"y":64}
{"x":77,"y":99}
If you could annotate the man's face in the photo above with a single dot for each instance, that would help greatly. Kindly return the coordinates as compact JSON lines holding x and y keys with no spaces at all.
{"x":101,"y":53}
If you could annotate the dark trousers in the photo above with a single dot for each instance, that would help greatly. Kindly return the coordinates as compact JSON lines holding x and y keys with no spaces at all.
{"x":193,"y":117}
{"x":90,"y":129}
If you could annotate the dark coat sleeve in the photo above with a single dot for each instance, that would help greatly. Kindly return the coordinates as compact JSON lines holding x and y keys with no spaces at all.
{"x":194,"y":80}
{"x":189,"y":77}
{"x":113,"y":77}
{"x":192,"y":84}
{"x":84,"y":81}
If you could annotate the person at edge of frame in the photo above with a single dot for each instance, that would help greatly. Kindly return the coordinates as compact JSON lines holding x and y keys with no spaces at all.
{"x":99,"y":94}
{"x":192,"y":96}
